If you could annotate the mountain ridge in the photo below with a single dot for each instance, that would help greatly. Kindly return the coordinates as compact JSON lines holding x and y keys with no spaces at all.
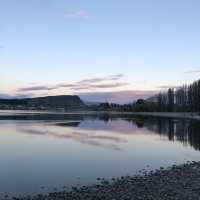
{"x":60,"y":101}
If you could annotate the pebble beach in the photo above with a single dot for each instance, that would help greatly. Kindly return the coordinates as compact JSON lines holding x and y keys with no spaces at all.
{"x":178,"y":182}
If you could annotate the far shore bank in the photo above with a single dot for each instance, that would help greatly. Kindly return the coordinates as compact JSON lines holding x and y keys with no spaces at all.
{"x":23,"y":114}
{"x":185,"y":115}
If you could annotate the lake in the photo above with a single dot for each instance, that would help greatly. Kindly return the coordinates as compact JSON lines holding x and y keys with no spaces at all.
{"x":41,"y":155}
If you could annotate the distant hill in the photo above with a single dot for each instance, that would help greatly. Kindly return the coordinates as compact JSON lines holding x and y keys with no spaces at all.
{"x":64,"y":101}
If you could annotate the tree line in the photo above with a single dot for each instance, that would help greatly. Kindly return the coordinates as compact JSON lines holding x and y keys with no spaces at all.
{"x":182,"y":99}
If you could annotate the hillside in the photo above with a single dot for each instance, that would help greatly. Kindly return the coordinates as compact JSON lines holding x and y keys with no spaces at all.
{"x":48,"y":102}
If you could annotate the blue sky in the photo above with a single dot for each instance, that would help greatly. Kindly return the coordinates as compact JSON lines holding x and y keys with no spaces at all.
{"x":146,"y":45}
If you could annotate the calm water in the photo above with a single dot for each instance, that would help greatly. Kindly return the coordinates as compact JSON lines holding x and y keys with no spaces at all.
{"x":56,"y":153}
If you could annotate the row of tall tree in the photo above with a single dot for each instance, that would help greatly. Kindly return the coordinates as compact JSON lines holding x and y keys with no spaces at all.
{"x":183,"y":99}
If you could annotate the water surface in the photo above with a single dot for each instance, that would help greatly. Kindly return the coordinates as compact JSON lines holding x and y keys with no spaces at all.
{"x":42,"y":155}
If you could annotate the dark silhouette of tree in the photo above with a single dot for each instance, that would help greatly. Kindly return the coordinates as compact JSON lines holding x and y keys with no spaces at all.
{"x":183,"y":99}
{"x":170,"y":106}
{"x":141,"y":106}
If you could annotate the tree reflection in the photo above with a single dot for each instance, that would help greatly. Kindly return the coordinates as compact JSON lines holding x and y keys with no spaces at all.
{"x":185,"y":131}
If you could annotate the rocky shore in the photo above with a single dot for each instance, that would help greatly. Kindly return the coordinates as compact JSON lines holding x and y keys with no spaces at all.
{"x":175,"y":183}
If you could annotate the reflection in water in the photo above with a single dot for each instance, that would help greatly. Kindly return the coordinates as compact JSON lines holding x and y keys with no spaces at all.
{"x":52,"y":152}
{"x":72,"y":124}
{"x":185,"y":131}
{"x":91,"y":130}
{"x":99,"y":139}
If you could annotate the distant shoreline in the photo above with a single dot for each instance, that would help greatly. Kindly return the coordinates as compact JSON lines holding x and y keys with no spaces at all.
{"x":23,"y":114}
{"x":184,"y":115}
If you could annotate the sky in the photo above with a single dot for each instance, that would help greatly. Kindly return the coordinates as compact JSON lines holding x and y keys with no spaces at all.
{"x":102,"y":50}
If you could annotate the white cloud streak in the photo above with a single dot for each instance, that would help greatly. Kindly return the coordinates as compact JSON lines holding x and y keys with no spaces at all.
{"x":80,"y":14}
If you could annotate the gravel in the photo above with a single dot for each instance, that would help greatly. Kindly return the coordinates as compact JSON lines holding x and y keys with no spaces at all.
{"x":180,"y":182}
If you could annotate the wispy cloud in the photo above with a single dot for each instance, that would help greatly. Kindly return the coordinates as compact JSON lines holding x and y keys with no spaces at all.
{"x":80,"y":14}
{"x":1,"y":47}
{"x":110,"y":85}
{"x":100,"y":79}
{"x":33,"y":88}
{"x":192,"y":72}
{"x":85,"y":84}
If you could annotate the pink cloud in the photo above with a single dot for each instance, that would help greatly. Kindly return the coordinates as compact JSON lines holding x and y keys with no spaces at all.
{"x":85,"y":84}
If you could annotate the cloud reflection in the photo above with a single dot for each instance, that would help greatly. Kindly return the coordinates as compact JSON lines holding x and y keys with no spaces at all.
{"x":83,"y":137}
{"x":116,"y":132}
